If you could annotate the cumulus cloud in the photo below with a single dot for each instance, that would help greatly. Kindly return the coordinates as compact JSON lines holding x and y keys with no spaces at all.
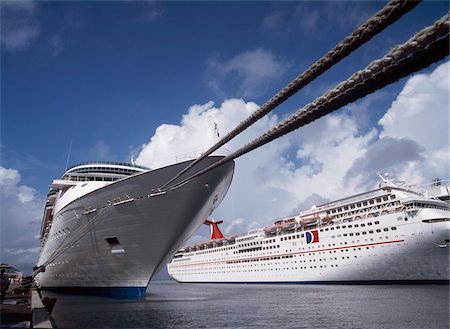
{"x":327,"y":149}
{"x":421,"y":109}
{"x":21,"y":213}
{"x":413,"y":141}
{"x":333,"y":157}
{"x":267,"y":183}
{"x":248,"y":74}
{"x":421,"y":114}
{"x":386,"y":155}
{"x":19,"y":25}
{"x":196,"y":134}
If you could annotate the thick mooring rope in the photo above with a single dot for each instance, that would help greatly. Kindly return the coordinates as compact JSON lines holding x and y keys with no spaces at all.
{"x":425,"y":48}
{"x":374,"y":25}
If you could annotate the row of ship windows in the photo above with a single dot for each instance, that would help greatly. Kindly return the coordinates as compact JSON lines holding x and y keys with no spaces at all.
{"x":58,"y":263}
{"x":297,"y":236}
{"x":104,"y":170}
{"x":256,"y":249}
{"x":181,"y":270}
{"x":59,"y":234}
{"x":296,"y":267}
{"x":331,"y":229}
{"x":364,"y":232}
{"x":263,"y":259}
{"x":234,"y":247}
{"x":364,"y":203}
{"x":235,"y":269}
{"x":261,"y":270}
{"x":255,"y":243}
{"x":302,"y":235}
{"x":313,"y":253}
{"x":424,"y":205}
{"x":384,"y":208}
{"x":315,"y":247}
{"x":285,"y":239}
{"x":276,"y":263}
{"x":91,"y":179}
{"x":351,"y":225}
{"x":53,"y":250}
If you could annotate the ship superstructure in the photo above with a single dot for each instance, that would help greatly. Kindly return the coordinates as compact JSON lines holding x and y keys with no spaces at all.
{"x":390,"y":234}
{"x":107,"y":227}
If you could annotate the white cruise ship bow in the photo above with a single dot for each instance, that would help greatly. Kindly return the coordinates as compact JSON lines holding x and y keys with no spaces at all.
{"x":107,"y":229}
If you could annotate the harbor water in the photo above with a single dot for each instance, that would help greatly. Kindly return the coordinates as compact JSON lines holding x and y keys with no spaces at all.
{"x":172,"y":305}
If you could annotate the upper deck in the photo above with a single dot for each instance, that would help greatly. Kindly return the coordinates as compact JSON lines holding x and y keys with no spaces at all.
{"x":387,"y":199}
{"x":63,"y":190}
{"x":101,"y":171}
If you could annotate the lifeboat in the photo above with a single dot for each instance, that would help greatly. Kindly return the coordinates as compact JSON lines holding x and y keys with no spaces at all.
{"x":309,"y":220}
{"x":271,"y":230}
{"x":289,"y":226}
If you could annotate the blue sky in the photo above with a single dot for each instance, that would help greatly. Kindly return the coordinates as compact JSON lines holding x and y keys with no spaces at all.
{"x":121,"y":79}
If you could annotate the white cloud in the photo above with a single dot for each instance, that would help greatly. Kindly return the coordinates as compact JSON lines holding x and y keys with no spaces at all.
{"x":421,"y":114}
{"x":19,"y":25}
{"x":267,"y":184}
{"x":247,"y":74}
{"x":324,"y":151}
{"x":386,"y":155}
{"x":20,"y":218}
{"x":101,"y":152}
{"x":9,"y":176}
{"x":195,"y":133}
{"x":333,"y":157}
{"x":26,"y":194}
{"x":421,"y":109}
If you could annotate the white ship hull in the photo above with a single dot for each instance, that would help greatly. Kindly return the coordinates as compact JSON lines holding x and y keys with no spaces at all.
{"x":98,"y":244}
{"x":395,"y":247}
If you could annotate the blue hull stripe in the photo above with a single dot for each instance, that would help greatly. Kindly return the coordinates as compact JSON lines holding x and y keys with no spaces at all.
{"x":368,"y":282}
{"x":116,"y":292}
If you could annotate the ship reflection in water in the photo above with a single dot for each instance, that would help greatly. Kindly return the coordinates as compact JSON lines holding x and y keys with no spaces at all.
{"x":171,"y":305}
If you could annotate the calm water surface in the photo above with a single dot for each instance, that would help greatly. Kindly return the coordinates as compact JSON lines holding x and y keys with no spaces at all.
{"x":174,"y":305}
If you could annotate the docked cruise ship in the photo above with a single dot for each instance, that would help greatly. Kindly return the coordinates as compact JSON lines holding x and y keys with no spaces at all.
{"x":108,"y":228}
{"x":391,"y":234}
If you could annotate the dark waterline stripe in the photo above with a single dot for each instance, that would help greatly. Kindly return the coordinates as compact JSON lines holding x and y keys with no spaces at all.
{"x":115,"y":292}
{"x":362,"y":282}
